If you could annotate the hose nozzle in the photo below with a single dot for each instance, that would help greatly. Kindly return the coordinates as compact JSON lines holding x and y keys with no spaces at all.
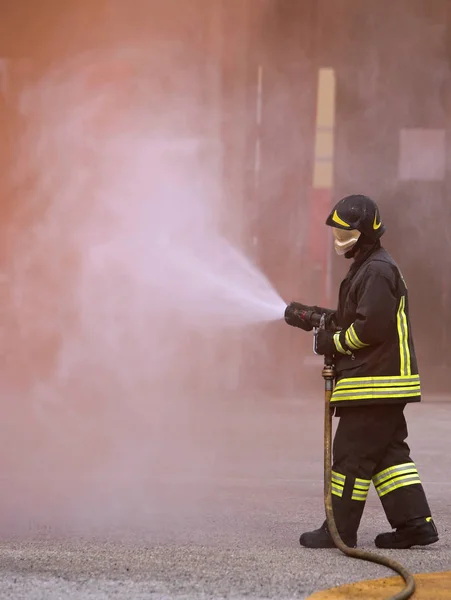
{"x":302,"y":316}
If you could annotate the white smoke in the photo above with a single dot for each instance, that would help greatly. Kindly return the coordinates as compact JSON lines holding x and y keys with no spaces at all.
{"x":125,"y":283}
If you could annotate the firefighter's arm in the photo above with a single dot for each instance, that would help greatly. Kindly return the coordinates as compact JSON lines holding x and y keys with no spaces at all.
{"x":376,"y":312}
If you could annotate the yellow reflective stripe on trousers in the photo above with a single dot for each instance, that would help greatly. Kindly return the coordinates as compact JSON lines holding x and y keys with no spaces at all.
{"x":338,"y":482}
{"x":353,"y":340}
{"x":360,"y":491}
{"x":403,"y":334}
{"x":396,"y":477}
{"x":397,"y":483}
{"x":362,"y":484}
{"x":337,"y":490}
{"x":393,"y":471}
{"x":338,"y":477}
{"x":358,"y":495}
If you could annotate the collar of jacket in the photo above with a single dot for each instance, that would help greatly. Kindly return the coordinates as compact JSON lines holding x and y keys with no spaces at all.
{"x":366,"y":249}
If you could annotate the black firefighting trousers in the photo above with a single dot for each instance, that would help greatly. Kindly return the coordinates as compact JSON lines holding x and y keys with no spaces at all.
{"x":369,"y":447}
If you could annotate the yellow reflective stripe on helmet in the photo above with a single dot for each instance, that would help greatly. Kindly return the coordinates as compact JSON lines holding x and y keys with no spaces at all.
{"x":339,"y":346}
{"x":393,"y":471}
{"x":339,"y":221}
{"x":353,"y":340}
{"x":376,"y":225}
{"x":378,"y":381}
{"x":399,"y":482}
{"x":403,"y":334}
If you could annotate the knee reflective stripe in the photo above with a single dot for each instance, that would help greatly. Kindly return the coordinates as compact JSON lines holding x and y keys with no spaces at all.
{"x":369,"y":388}
{"x":386,"y":474}
{"x":352,"y":339}
{"x":338,"y":483}
{"x":397,"y":483}
{"x":403,"y":334}
{"x":361,"y":487}
{"x":339,"y":346}
{"x":396,"y":477}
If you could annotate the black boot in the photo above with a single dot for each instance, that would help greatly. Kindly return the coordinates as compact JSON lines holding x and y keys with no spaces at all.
{"x":321,"y":538}
{"x":417,"y":532}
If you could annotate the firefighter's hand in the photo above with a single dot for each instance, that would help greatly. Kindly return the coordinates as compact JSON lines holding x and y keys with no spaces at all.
{"x":325,"y":342}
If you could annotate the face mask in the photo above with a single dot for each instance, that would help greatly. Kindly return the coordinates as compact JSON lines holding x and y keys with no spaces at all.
{"x":344,"y":239}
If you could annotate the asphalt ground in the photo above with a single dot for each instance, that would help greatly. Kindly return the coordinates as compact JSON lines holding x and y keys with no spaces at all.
{"x":232,"y":533}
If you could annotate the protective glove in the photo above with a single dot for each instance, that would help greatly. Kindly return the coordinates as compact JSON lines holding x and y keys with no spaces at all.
{"x":299,"y":315}
{"x":331,"y":316}
{"x":325,"y":342}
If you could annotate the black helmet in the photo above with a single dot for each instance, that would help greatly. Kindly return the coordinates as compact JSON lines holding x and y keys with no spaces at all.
{"x":357,"y":212}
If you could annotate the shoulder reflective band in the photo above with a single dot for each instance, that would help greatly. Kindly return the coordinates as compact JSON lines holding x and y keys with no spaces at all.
{"x":353,"y":340}
{"x":368,"y":388}
{"x":360,"y":491}
{"x":396,"y":477}
{"x":338,"y":483}
{"x":403,"y":334}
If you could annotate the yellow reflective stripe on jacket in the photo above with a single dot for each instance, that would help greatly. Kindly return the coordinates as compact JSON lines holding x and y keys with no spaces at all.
{"x":403,"y":334}
{"x":366,"y":394}
{"x":339,"y":346}
{"x":349,"y":341}
{"x":361,"y":488}
{"x":352,"y":339}
{"x":401,"y":469}
{"x":397,"y":483}
{"x":367,"y":388}
{"x":378,"y":381}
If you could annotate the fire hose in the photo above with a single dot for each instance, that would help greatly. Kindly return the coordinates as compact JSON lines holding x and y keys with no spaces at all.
{"x":318,"y":321}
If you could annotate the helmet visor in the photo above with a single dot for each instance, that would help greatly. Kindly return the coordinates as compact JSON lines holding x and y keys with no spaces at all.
{"x":344,"y":239}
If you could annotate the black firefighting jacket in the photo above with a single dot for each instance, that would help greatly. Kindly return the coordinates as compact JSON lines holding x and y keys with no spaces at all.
{"x":375,"y":358}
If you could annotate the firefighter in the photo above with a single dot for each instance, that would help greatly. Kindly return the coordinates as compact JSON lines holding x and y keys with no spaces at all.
{"x":376,"y":376}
